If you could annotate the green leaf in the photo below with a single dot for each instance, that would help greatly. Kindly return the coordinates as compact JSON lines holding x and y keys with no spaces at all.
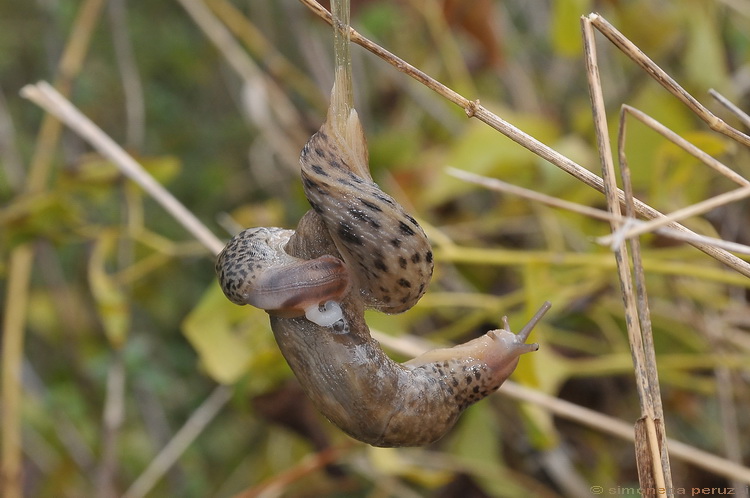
{"x":566,"y":25}
{"x":397,"y":462}
{"x":112,"y":302}
{"x":49,"y":215}
{"x":705,"y":63}
{"x":233,"y":340}
{"x":476,"y":442}
{"x":484,"y":151}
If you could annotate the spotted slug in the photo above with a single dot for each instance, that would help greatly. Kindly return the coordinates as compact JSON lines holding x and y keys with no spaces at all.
{"x":355,"y":249}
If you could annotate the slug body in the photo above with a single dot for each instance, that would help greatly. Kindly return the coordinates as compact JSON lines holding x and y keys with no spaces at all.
{"x":384,"y":262}
{"x":254,"y":269}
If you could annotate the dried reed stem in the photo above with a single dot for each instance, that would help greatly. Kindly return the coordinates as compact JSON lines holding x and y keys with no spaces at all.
{"x":176,"y":446}
{"x":50,"y":100}
{"x":654,"y":472}
{"x":501,"y":186}
{"x":562,"y":408}
{"x":625,"y":232}
{"x":475,"y":109}
{"x":414,"y":346}
{"x":661,"y":77}
{"x":20,"y":262}
{"x":741,"y":115}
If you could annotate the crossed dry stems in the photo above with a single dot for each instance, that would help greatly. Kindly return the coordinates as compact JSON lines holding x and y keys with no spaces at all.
{"x":650,"y":435}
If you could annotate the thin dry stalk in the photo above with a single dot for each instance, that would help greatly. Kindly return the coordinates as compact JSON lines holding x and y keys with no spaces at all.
{"x":21,"y":259}
{"x":685,"y":145}
{"x":654,"y":472}
{"x":342,"y":100}
{"x":475,"y":109}
{"x":501,"y":186}
{"x":644,"y":313}
{"x":655,"y":439}
{"x":626,"y":232}
{"x":660,"y":76}
{"x":50,"y":100}
{"x":279,"y":122}
{"x":276,"y":485}
{"x":590,"y":418}
{"x":184,"y":437}
{"x":414,"y":346}
{"x":741,"y":115}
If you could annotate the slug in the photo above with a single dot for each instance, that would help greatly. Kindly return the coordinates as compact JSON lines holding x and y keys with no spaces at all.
{"x":355,"y":249}
{"x":254,"y":269}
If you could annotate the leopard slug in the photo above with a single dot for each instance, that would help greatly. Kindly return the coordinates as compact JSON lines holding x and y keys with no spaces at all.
{"x":254,"y":269}
{"x":355,"y":249}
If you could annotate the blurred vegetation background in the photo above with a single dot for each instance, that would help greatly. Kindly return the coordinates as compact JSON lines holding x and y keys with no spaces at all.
{"x":126,"y":332}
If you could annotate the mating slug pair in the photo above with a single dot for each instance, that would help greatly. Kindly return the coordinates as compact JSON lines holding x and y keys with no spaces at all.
{"x":356,"y":249}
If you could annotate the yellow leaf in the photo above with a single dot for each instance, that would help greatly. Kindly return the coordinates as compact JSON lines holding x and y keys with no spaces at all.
{"x":393,"y":462}
{"x":484,"y":151}
{"x":111,"y":301}
{"x":566,"y":25}
{"x":233,"y":340}
{"x":705,"y":56}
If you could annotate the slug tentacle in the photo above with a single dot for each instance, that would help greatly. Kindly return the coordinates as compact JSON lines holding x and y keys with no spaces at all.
{"x":387,"y":265}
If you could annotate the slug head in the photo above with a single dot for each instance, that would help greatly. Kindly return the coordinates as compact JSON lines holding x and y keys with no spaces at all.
{"x":253,"y":269}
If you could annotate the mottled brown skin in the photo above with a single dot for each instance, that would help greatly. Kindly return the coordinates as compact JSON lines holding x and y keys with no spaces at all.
{"x":254,"y":269}
{"x":387,"y":250}
{"x":388,"y":257}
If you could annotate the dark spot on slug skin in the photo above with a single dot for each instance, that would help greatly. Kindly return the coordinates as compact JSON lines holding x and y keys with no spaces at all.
{"x":319,"y":170}
{"x":389,"y":261}
{"x":347,"y":234}
{"x":370,"y":205}
{"x":355,"y":178}
{"x":308,"y":183}
{"x":405,"y":229}
{"x":380,"y":265}
{"x":316,"y":207}
{"x":385,"y":199}
{"x":363,"y":217}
